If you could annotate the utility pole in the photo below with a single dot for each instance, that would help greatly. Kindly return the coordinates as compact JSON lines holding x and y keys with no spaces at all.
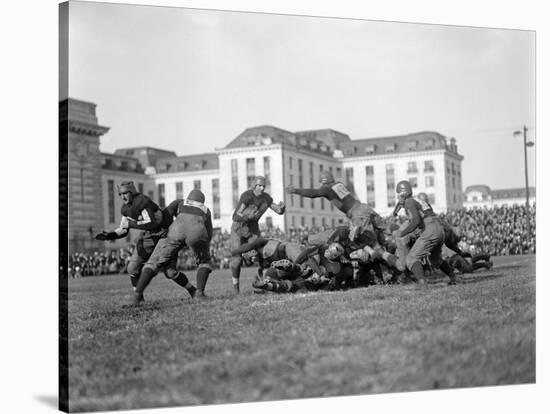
{"x":527,"y":213}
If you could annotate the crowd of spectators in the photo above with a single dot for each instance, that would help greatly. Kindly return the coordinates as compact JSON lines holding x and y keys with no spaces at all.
{"x":99,"y":263}
{"x":497,"y":231}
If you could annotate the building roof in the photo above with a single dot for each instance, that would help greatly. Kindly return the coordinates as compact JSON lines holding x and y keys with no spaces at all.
{"x":512,"y":193}
{"x":147,"y":156}
{"x":195,"y":162}
{"x":500,"y":194}
{"x":259,"y":135}
{"x":418,"y":141}
{"x":485,"y":189}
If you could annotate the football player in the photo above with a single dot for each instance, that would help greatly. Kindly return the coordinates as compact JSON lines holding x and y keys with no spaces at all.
{"x":430,"y":240}
{"x":253,"y":203}
{"x":141,"y":213}
{"x":192,"y":228}
{"x":360,"y":215}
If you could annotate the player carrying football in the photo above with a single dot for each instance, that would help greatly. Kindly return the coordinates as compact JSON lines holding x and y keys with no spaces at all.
{"x":253,"y":203}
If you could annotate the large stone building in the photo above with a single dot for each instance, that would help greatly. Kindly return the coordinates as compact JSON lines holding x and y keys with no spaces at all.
{"x":371,"y":167}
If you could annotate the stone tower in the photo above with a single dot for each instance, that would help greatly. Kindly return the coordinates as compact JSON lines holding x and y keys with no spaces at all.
{"x":81,"y":211}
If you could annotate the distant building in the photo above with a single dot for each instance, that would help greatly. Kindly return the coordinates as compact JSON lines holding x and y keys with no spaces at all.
{"x":371,"y":167}
{"x":483,"y":196}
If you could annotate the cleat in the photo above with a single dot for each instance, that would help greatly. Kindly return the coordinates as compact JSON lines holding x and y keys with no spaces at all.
{"x":137,"y":299}
{"x":192,"y":291}
{"x":200,"y":295}
{"x":283,"y":264}
{"x":236,"y":289}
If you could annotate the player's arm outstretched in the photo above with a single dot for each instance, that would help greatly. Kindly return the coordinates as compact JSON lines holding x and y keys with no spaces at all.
{"x":120,"y":232}
{"x":308,"y":192}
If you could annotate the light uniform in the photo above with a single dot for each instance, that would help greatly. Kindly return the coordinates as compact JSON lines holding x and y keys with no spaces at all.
{"x":192,"y":228}
{"x":430,"y":240}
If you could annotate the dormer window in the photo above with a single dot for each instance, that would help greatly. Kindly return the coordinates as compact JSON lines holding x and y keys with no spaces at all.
{"x":412,"y":145}
{"x":371,"y":149}
{"x":391,"y":147}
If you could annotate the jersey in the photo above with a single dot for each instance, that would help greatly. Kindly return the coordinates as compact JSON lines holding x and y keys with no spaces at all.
{"x":197,"y":215}
{"x":415,"y":213}
{"x":337,"y":194}
{"x":248,"y":198}
{"x":142,"y":213}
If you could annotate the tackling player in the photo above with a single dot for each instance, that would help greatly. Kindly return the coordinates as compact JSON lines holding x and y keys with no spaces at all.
{"x":253,"y":203}
{"x":192,"y":228}
{"x":430,"y":240}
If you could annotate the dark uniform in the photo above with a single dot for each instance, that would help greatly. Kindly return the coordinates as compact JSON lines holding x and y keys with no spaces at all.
{"x":245,"y":226}
{"x":361,"y":216}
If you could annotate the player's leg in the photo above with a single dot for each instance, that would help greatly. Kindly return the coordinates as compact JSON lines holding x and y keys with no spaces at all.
{"x":135,"y":264}
{"x":235,"y":241}
{"x":201,"y":247}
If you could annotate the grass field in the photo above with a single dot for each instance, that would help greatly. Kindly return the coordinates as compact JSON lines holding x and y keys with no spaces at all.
{"x":176,"y":351}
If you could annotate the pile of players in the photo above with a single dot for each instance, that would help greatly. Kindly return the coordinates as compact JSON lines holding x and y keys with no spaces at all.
{"x":360,"y":253}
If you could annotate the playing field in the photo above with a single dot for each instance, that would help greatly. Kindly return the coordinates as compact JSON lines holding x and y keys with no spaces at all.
{"x":177,"y":351}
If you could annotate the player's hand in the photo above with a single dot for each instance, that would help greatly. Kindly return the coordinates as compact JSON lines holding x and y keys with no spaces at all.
{"x":281,"y":204}
{"x":290,"y":189}
{"x":101,"y":236}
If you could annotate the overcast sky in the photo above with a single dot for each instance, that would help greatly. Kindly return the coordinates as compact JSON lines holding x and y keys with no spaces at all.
{"x":191,"y":80}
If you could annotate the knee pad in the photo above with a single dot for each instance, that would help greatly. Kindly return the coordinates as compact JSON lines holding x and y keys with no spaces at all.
{"x":133,"y":268}
{"x":171,"y":273}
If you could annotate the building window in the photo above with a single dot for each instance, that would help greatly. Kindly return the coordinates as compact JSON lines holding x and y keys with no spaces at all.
{"x":431,"y":199}
{"x":311,"y":183}
{"x":369,"y":169}
{"x":412,"y":145}
{"x":235,"y":182}
{"x":291,"y":178}
{"x":429,"y":166}
{"x":390,"y":147}
{"x":250,"y":172}
{"x":303,"y":221}
{"x":269,"y":222}
{"x":448,"y":168}
{"x":349,"y":180}
{"x":197,"y":184}
{"x":414,"y":182}
{"x":111,"y":200}
{"x":267,"y":174}
{"x":162,"y":199}
{"x":313,"y":222}
{"x":411,"y":167}
{"x":390,"y":185}
{"x":293,"y":220}
{"x":323,"y":222}
{"x":179,"y":190}
{"x":301,"y":181}
{"x":430,"y":181}
{"x":453,"y":168}
{"x":322,"y":198}
{"x":216,"y":197}
{"x":454,"y":198}
{"x":454,"y":182}
{"x":151,"y":194}
{"x":290,"y":163}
